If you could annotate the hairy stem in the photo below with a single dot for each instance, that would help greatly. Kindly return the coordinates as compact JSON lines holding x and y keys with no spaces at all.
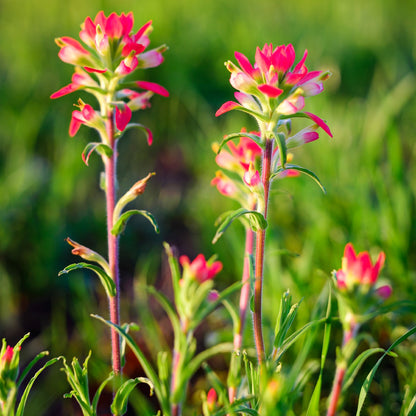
{"x":244,"y":299}
{"x":349,"y":333}
{"x":110,"y":191}
{"x":260,"y":244}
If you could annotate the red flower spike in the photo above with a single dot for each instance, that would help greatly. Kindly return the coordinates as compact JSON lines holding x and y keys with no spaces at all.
{"x":358,"y":270}
{"x":200,"y":269}
{"x":8,"y":355}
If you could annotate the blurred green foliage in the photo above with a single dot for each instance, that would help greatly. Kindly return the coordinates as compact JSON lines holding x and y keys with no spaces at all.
{"x":47,"y":193}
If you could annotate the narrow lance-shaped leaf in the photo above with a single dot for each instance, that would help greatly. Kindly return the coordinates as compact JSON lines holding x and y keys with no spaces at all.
{"x":256,"y":219}
{"x":281,"y":140}
{"x":120,"y":225}
{"x":302,"y":170}
{"x":366,"y":385}
{"x":313,"y":407}
{"x":105,"y":279}
{"x":233,"y":136}
{"x":100,"y":148}
{"x":147,"y":367}
{"x":26,"y":392}
{"x":99,"y":391}
{"x":119,"y":405}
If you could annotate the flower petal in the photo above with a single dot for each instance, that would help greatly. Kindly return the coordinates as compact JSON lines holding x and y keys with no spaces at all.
{"x":319,"y":122}
{"x":152,"y":86}
{"x":228,"y":106}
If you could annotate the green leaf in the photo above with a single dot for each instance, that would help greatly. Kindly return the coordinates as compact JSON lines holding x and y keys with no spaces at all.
{"x":142,"y":128}
{"x":99,"y":391}
{"x":119,"y":405}
{"x":197,"y":361}
{"x":356,"y":365}
{"x":101,"y":148}
{"x":366,"y":385}
{"x":313,"y":407}
{"x":147,"y":367}
{"x":105,"y":279}
{"x":26,"y":392}
{"x":30,"y":366}
{"x":302,"y":170}
{"x":256,"y":219}
{"x":120,"y":225}
{"x":281,"y":140}
{"x":233,"y":136}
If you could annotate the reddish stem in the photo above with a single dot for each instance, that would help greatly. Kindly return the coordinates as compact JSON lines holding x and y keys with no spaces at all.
{"x":260,"y":244}
{"x":110,"y":181}
{"x":244,"y":298}
{"x":340,"y":371}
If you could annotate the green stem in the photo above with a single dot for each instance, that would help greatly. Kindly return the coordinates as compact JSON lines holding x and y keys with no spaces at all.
{"x":110,"y":190}
{"x":260,"y":244}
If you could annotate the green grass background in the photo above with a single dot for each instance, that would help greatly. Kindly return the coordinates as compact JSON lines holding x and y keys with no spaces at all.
{"x":47,"y":193}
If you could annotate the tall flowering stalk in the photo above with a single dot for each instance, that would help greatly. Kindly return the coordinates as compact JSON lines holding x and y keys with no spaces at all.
{"x":358,"y":297}
{"x":106,"y":63}
{"x":273,"y":91}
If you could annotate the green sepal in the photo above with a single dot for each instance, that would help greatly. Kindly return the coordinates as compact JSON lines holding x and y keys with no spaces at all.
{"x":233,"y":136}
{"x":101,"y":148}
{"x":302,"y":170}
{"x":256,"y":220}
{"x":119,"y":404}
{"x":120,"y":225}
{"x":105,"y":279}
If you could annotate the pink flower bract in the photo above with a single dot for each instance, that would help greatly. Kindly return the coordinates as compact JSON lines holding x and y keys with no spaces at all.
{"x":200,"y":269}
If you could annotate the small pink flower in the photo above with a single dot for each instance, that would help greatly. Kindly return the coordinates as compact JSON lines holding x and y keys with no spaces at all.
{"x":252,"y":176}
{"x":72,"y":52}
{"x":200,"y":269}
{"x":307,"y":135}
{"x":80,"y":79}
{"x":359,"y":270}
{"x":240,"y":155}
{"x":86,"y":116}
{"x":122,"y":116}
{"x":224,"y":185}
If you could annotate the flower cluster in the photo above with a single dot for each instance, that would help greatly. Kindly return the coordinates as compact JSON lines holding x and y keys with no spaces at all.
{"x":110,"y":52}
{"x":240,"y":159}
{"x":358,"y":272}
{"x":200,"y":269}
{"x":273,"y":85}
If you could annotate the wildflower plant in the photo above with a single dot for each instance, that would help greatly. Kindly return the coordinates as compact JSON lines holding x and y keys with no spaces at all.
{"x":12,"y":378}
{"x":107,"y":63}
{"x":273,"y":91}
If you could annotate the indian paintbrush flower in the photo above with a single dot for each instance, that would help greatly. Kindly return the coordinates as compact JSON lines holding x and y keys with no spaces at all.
{"x":358,"y":273}
{"x":109,"y":52}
